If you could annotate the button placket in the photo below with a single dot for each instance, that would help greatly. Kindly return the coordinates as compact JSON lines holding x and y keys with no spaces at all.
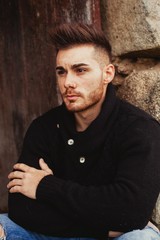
{"x":70,"y":142}
{"x":82,"y":159}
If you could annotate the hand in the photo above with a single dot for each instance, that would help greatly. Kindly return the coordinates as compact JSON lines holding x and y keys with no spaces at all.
{"x":114,"y":234}
{"x":25,"y":179}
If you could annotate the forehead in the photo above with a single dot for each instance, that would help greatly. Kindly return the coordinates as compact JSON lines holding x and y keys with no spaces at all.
{"x":75,"y":54}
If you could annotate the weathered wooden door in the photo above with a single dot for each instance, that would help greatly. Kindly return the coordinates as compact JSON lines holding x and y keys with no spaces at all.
{"x":27,"y":78}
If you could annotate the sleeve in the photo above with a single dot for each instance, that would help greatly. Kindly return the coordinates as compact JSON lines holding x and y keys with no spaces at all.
{"x":22,"y":210}
{"x":63,"y":206}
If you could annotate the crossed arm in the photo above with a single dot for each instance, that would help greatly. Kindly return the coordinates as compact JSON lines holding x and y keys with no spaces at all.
{"x":25,"y":179}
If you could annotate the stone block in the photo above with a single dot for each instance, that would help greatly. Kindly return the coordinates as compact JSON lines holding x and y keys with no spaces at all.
{"x":142,"y":88}
{"x":132,"y":26}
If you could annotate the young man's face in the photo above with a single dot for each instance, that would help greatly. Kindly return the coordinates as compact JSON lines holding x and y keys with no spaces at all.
{"x":82,"y":80}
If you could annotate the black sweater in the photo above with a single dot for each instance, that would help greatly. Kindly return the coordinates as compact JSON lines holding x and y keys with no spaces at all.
{"x":105,"y":178}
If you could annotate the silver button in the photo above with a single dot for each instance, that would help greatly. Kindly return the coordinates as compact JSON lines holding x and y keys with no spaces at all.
{"x":70,"y":142}
{"x":82,"y":159}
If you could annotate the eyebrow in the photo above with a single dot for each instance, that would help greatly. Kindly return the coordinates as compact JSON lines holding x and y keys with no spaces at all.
{"x":59,"y":68}
{"x":79,"y":65}
{"x":73,"y":66}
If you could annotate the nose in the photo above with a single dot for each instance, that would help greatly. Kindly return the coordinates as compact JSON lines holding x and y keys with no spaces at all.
{"x":70,"y":81}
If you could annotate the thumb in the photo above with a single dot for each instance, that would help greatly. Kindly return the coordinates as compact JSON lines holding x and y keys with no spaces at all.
{"x":44,"y":166}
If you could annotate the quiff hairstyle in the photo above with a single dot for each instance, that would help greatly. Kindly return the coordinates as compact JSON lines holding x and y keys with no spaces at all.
{"x":69,"y":34}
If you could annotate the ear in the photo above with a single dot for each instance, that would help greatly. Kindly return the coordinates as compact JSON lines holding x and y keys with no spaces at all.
{"x":108,"y":73}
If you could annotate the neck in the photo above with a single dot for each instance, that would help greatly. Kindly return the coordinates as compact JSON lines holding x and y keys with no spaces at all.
{"x":86,"y":117}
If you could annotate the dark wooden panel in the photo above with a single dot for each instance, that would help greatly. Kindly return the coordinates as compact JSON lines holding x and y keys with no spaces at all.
{"x":77,"y":10}
{"x":27,"y":79}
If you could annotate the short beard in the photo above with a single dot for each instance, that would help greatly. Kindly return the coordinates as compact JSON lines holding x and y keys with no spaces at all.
{"x":92,"y":100}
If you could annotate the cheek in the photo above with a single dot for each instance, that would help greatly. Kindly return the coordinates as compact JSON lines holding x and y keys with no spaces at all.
{"x":93,"y":82}
{"x":60,"y":84}
{"x":90,"y":87}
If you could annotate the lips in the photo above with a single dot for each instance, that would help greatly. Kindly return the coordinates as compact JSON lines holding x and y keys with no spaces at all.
{"x":71,"y":97}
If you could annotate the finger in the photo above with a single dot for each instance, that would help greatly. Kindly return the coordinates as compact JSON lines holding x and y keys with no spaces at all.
{"x":15,"y":189}
{"x":14,"y":182}
{"x":44,"y":166}
{"x":22,"y":167}
{"x":16,"y":174}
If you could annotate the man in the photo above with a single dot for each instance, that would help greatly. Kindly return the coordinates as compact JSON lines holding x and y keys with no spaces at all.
{"x":90,"y":167}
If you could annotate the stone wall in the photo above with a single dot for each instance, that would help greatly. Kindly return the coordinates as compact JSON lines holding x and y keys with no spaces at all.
{"x":133,"y":29}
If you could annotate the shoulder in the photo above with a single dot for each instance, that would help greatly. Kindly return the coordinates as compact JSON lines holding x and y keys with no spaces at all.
{"x":45,"y":123}
{"x":129,"y":110}
{"x":135,"y":133}
{"x":129,"y":113}
{"x":133,"y":121}
{"x":50,"y":117}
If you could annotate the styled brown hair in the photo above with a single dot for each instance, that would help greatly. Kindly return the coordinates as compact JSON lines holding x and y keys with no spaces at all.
{"x":69,"y":34}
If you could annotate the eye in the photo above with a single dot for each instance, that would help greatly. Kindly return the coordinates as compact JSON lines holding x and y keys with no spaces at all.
{"x":60,"y":72}
{"x":81,"y":70}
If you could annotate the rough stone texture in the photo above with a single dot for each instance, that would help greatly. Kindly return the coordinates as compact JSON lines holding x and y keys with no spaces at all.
{"x":141,"y":88}
{"x":133,"y":29}
{"x":156,"y":212}
{"x":132,"y":26}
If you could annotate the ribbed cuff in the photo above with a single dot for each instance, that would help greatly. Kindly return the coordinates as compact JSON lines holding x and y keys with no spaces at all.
{"x":49,"y":186}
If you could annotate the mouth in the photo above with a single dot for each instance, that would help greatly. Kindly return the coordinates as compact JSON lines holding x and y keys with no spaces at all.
{"x":72,"y":97}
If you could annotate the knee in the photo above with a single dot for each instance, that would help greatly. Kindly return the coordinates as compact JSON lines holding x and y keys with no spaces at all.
{"x":3,"y":219}
{"x":2,"y":234}
{"x":7,"y":227}
{"x":145,"y":234}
